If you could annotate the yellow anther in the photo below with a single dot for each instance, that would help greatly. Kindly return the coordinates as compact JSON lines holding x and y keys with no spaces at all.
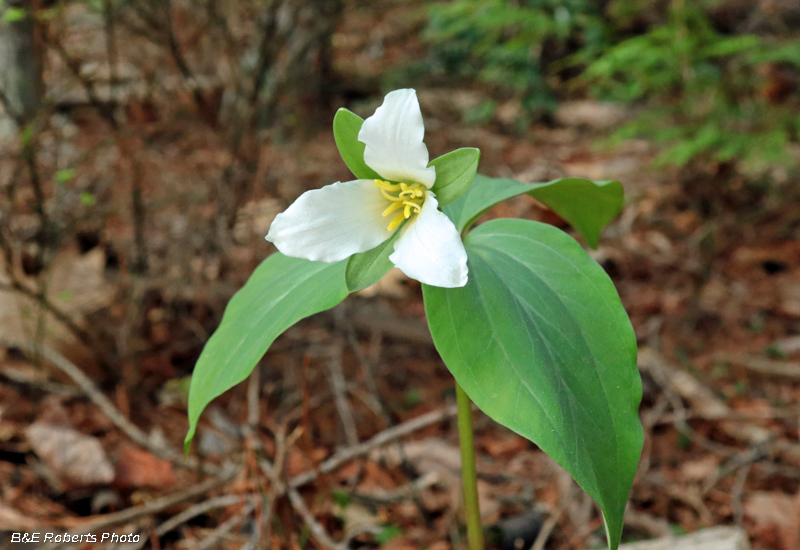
{"x":388,"y":186}
{"x":406,"y":197}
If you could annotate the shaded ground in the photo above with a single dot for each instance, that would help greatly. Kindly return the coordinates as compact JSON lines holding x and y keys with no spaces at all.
{"x":707,"y":265}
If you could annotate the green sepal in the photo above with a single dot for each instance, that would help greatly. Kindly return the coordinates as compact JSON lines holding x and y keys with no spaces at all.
{"x":346,"y":125}
{"x":367,"y":268}
{"x":454,"y":173}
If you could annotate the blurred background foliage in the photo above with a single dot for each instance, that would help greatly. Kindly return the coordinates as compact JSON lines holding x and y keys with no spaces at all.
{"x":708,"y":80}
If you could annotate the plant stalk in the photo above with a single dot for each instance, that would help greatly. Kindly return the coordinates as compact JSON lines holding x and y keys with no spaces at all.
{"x":469,"y":473}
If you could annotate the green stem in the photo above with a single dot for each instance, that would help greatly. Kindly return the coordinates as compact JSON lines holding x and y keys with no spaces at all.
{"x":468,"y":472}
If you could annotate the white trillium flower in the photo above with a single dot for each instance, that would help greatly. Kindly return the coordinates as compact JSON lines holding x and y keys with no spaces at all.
{"x":342,"y":219}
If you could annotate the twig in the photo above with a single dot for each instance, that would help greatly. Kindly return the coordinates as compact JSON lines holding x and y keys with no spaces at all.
{"x":140,"y":264}
{"x":787,"y":370}
{"x":104,"y":404}
{"x":339,"y":458}
{"x":91,"y":390}
{"x":196,"y":510}
{"x":267,"y":49}
{"x":655,"y":526}
{"x":345,"y":326}
{"x":87,"y":525}
{"x":772,"y":414}
{"x":63,"y":318}
{"x":405,"y":492}
{"x":111,"y":48}
{"x":105,"y":109}
{"x":5,"y":103}
{"x":754,"y":454}
{"x":275,"y":472}
{"x":550,"y":524}
{"x":340,"y":395}
{"x":311,"y":522}
{"x":180,"y":60}
{"x":383,"y":438}
{"x":736,"y":494}
{"x":226,"y":526}
{"x":706,"y":403}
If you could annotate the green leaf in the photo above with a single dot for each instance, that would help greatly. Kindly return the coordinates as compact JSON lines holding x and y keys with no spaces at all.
{"x":588,"y":206}
{"x":280,"y":292}
{"x":12,"y":15}
{"x":63,"y":176}
{"x":388,"y":533}
{"x":454,"y":173}
{"x":539,"y":340}
{"x":366,"y":268}
{"x":346,"y":125}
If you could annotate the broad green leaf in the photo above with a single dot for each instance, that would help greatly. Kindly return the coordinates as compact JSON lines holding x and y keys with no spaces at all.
{"x":454,"y":173}
{"x":346,"y":125}
{"x":539,"y":340}
{"x":280,"y":292}
{"x":588,"y":206}
{"x":366,"y":268}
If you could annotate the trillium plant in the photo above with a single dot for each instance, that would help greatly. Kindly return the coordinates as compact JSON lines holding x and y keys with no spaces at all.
{"x":530,"y":326}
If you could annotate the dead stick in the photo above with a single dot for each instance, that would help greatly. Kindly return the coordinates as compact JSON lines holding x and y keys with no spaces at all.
{"x":93,"y":523}
{"x":196,"y":510}
{"x":107,"y":407}
{"x":384,"y":437}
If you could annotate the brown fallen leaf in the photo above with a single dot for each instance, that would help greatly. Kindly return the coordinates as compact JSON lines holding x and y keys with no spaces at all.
{"x":775,"y":511}
{"x":138,"y":469}
{"x":76,"y":458}
{"x":11,"y":520}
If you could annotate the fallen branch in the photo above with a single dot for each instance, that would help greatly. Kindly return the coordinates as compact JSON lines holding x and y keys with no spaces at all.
{"x":338,"y":385}
{"x":93,"y":523}
{"x":787,"y":370}
{"x":384,"y":437}
{"x":226,"y":527}
{"x":107,"y":407}
{"x":706,"y":403}
{"x":196,"y":510}
{"x":311,"y":522}
{"x":550,"y":524}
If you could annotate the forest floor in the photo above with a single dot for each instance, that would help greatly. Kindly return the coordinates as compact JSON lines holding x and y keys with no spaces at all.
{"x":706,"y":262}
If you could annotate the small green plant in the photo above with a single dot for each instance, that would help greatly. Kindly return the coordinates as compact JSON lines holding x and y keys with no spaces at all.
{"x":701,"y":93}
{"x":528,"y":323}
{"x":696,"y":91}
{"x":508,"y":45}
{"x":12,"y":15}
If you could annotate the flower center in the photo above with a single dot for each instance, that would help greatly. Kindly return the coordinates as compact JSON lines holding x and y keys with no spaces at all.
{"x":406,"y":197}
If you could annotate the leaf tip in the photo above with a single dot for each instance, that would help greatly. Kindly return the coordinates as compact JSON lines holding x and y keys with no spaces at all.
{"x":187,"y":441}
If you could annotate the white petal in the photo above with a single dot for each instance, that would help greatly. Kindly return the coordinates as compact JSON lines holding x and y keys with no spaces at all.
{"x":430,"y":249}
{"x":332,"y":223}
{"x":393,"y":136}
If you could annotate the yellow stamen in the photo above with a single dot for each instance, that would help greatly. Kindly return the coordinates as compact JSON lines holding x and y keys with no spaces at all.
{"x":398,"y":219}
{"x":406,"y":197}
{"x":388,"y":186}
{"x":396,"y":205}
